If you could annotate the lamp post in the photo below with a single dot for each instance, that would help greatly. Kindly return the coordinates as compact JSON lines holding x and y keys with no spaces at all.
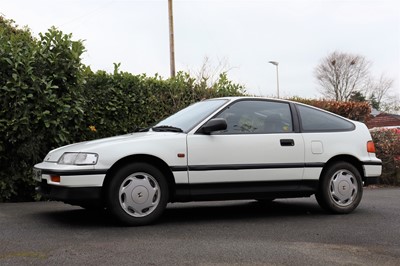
{"x":277,"y":77}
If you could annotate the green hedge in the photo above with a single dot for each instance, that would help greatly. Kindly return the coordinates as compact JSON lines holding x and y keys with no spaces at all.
{"x":49,"y":99}
{"x":121,"y":102}
{"x":41,"y":104}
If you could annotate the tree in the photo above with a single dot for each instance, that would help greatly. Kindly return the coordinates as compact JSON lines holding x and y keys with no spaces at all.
{"x":340,"y":74}
{"x":378,"y":91}
{"x":357,"y":96}
{"x":374,"y":102}
{"x":391,"y":105}
{"x":209,"y":73}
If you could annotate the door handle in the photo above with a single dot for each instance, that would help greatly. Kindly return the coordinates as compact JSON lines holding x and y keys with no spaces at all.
{"x":287,"y":142}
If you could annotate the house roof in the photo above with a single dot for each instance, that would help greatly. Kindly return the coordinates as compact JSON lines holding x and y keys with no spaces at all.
{"x":384,"y":120}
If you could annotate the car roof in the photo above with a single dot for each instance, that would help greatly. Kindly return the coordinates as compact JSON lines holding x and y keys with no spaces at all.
{"x":236,"y":98}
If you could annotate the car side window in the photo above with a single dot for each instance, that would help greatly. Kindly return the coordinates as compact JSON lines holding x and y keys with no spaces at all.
{"x":313,"y":120}
{"x":257,"y":117}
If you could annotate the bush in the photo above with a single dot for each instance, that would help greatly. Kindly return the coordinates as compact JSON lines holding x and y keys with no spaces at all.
{"x":41,"y":102}
{"x":358,"y":111}
{"x":49,"y":99}
{"x":121,"y":102}
{"x":387,"y":142}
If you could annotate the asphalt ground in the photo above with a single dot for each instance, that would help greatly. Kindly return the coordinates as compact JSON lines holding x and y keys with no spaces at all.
{"x":284,"y":232}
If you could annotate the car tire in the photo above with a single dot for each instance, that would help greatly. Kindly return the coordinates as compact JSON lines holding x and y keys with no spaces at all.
{"x":340,"y":189}
{"x":137,"y":194}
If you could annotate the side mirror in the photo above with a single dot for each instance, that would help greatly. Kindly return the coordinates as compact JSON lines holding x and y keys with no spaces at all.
{"x":215,"y":124}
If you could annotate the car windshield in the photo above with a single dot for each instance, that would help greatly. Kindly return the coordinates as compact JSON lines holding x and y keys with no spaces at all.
{"x":189,"y":117}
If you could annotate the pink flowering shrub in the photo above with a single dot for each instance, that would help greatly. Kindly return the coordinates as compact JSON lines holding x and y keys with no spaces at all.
{"x":387,"y":143}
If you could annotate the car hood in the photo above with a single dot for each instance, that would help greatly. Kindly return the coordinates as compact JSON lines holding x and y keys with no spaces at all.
{"x":105,"y":143}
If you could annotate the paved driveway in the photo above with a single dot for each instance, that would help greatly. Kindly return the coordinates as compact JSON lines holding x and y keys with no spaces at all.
{"x":285,"y":232}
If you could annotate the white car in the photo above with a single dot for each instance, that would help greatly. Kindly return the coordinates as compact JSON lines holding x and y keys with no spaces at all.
{"x":217,"y":149}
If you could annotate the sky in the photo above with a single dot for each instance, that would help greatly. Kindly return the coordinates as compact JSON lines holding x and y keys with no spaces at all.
{"x":241,"y":36}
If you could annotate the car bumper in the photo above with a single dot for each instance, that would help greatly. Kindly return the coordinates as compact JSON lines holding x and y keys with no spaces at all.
{"x":372,"y":172}
{"x":69,"y":184}
{"x":70,"y":194}
{"x":372,"y":169}
{"x":69,"y":176}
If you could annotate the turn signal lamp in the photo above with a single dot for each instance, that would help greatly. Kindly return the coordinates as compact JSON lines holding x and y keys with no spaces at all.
{"x":370,"y":146}
{"x":55,"y":178}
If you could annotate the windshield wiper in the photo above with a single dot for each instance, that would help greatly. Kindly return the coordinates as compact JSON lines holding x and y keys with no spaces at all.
{"x":165,"y":128}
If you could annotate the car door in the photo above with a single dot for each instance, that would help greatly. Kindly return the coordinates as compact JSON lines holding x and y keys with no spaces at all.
{"x":259,"y":145}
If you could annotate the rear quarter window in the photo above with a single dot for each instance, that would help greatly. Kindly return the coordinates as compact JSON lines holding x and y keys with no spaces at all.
{"x":314,"y":120}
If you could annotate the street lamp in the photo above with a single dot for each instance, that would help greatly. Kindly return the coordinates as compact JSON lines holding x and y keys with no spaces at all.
{"x":277,"y":77}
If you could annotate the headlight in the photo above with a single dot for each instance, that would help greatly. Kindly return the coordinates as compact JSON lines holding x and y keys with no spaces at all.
{"x":78,"y":158}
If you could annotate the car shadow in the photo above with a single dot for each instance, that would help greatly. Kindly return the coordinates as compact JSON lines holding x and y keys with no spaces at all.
{"x":183,"y":213}
{"x":77,"y":217}
{"x":240,"y":210}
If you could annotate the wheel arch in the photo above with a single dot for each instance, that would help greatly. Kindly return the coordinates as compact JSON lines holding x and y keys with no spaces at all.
{"x":328,"y":195}
{"x":143,"y":158}
{"x":344,"y":158}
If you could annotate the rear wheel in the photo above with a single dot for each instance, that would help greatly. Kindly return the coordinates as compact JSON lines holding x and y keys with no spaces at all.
{"x":340,"y":189}
{"x":137,"y":194}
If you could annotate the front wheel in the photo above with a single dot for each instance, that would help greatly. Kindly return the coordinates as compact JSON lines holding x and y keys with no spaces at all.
{"x":137,"y":194}
{"x":340,"y":190}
